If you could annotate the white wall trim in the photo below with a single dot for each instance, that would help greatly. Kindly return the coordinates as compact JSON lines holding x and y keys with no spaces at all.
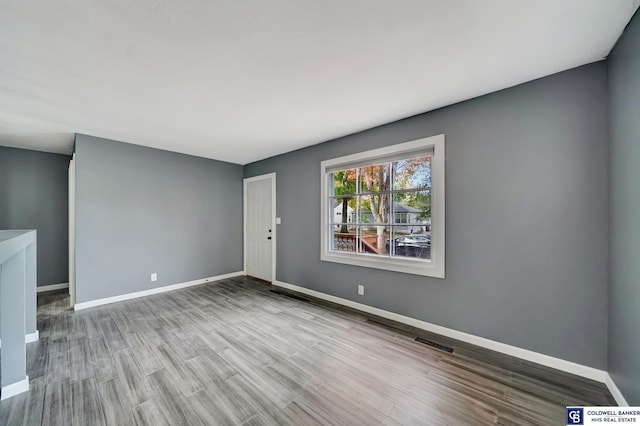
{"x":51,"y":287}
{"x":15,"y":388}
{"x":32,"y":337}
{"x":29,"y":337}
{"x":538,"y":358}
{"x":164,"y":289}
{"x":72,"y":230}
{"x":617,"y":395}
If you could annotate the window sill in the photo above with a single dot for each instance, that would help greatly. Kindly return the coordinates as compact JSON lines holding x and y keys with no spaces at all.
{"x":407,"y":266}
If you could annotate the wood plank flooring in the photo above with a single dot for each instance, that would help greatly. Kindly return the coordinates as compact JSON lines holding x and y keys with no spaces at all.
{"x":235,"y":353}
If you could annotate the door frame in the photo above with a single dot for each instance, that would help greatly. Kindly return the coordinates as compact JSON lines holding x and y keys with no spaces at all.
{"x":72,"y":230}
{"x":274,"y":238}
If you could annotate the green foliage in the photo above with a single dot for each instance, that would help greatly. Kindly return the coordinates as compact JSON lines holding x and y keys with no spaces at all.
{"x":423,"y":202}
{"x":344,"y":182}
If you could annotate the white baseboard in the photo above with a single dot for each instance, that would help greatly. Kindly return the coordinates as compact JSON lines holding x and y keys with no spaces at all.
{"x":128,"y":296}
{"x":29,"y":337}
{"x":51,"y":287}
{"x":32,"y":337}
{"x":615,"y":392}
{"x":15,"y":388}
{"x":538,"y":358}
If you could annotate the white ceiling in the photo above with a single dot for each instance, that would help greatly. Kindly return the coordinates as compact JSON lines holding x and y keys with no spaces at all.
{"x":242,"y":80}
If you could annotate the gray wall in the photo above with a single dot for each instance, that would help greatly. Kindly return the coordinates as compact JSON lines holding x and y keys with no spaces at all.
{"x":624,"y":220}
{"x":526,"y":218}
{"x":141,"y":210}
{"x":34,"y":195}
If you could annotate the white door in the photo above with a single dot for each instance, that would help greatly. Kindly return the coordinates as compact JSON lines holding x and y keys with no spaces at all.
{"x":72,"y":230}
{"x":259,"y":226}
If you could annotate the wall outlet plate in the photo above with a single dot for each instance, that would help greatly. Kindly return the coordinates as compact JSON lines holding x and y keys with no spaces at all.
{"x":154,"y":276}
{"x":361,"y":289}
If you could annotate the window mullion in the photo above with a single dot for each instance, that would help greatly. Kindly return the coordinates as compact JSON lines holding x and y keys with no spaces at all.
{"x":392,"y":209}
{"x":358,"y":212}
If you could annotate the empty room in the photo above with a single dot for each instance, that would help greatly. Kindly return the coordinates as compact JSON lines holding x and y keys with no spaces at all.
{"x":295,"y":213}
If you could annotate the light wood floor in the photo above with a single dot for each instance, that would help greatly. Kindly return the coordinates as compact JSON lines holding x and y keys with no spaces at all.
{"x":234,"y":352}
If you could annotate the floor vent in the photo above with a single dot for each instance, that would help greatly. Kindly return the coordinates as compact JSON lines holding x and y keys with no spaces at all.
{"x":293,"y":296}
{"x":434,"y":344}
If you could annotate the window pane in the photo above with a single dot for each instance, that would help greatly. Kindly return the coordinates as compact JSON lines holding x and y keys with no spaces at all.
{"x":374,"y":240}
{"x":412,"y":173}
{"x":413,"y":208}
{"x":344,"y":182}
{"x":343,"y":210}
{"x":373,"y":208}
{"x":343,"y":238}
{"x":407,"y":244}
{"x":374,"y":178}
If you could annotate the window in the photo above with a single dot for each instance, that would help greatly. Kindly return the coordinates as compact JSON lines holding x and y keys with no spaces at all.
{"x":384,"y":208}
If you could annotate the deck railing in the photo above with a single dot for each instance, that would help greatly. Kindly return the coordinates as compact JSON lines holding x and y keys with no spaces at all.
{"x":352,"y":243}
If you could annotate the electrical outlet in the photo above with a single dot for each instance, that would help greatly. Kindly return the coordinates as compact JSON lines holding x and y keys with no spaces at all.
{"x":361,"y":289}
{"x":154,"y":276}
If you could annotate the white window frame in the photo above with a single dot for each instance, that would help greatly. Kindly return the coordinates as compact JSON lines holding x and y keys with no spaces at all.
{"x":431,"y":268}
